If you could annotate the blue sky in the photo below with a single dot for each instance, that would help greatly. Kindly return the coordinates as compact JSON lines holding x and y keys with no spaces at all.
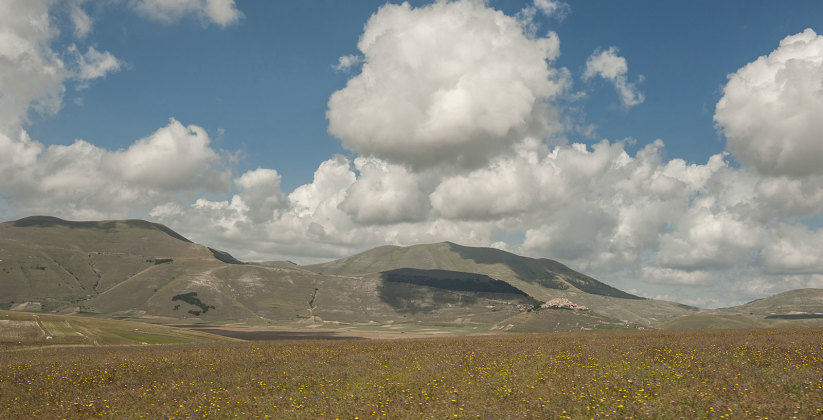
{"x":266,"y":80}
{"x":218,"y":122}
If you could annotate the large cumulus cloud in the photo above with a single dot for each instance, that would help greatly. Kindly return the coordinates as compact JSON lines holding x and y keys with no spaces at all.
{"x":452,"y":82}
{"x":86,"y":181}
{"x":770,"y":110}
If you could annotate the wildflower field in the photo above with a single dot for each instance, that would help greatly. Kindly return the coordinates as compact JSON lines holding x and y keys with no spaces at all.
{"x":774,"y":373}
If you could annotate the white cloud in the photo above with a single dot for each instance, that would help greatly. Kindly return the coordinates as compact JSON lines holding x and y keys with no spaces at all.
{"x":795,"y":250}
{"x":220,"y":12}
{"x":612,"y":67}
{"x":346,"y":62}
{"x":80,"y":19}
{"x":384,"y":193}
{"x":94,"y":64}
{"x":789,"y":197}
{"x":331,"y":180}
{"x":675,"y":276}
{"x":708,"y":237}
{"x":31,"y":74}
{"x":175,"y":157}
{"x":550,"y":8}
{"x":770,"y":110}
{"x":261,"y":194}
{"x":450,"y":83}
{"x":82,"y":180}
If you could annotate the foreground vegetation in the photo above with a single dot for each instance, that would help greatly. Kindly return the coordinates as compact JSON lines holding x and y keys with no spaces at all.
{"x":647,"y":374}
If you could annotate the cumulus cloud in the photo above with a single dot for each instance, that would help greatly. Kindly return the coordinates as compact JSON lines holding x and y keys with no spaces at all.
{"x":175,"y":157}
{"x":708,"y":239}
{"x":384,"y":193}
{"x":220,"y":12}
{"x":83,"y":180}
{"x":261,"y":194}
{"x":770,"y":109}
{"x":795,"y":250}
{"x":612,"y":67}
{"x":449,"y":83}
{"x":31,"y":73}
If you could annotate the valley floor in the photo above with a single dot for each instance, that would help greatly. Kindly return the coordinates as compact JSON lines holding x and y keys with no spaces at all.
{"x":758,"y":373}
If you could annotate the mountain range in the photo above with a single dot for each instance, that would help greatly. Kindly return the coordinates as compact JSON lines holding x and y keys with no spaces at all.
{"x":138,"y":270}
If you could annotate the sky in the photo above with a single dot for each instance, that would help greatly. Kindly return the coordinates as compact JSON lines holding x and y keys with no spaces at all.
{"x":670,"y":149}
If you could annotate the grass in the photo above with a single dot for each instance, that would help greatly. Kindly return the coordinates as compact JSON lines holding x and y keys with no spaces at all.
{"x":26,"y":329}
{"x":149,"y":339}
{"x":776,"y":373}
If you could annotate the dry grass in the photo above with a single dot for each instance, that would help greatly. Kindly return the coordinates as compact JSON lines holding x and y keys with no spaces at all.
{"x":694,"y":374}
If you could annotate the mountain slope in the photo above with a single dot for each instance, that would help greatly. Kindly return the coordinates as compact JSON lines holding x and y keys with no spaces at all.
{"x":542,"y":279}
{"x":60,"y":263}
{"x":794,"y":303}
{"x":528,"y":274}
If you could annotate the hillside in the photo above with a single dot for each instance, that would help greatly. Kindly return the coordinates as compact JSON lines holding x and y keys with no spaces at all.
{"x":794,"y":304}
{"x":542,"y":279}
{"x":526,"y":273}
{"x":794,"y":308}
{"x":55,"y":264}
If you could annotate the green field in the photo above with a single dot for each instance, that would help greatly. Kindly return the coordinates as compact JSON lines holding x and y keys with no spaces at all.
{"x":766,"y":373}
{"x":25,"y":329}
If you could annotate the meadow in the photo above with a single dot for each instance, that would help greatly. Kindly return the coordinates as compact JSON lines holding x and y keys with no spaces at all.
{"x":761,"y":373}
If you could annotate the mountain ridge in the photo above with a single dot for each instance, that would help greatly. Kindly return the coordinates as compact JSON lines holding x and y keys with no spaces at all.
{"x":140,"y":270}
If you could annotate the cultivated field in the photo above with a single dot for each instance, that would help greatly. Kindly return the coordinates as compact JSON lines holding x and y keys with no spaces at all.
{"x":647,"y":374}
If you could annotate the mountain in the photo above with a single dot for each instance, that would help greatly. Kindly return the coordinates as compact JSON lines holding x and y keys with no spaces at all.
{"x":542,"y":279}
{"x":142,"y":270}
{"x":535,"y":276}
{"x":133,"y":269}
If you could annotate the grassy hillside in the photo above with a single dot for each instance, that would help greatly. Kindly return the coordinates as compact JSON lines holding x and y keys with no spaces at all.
{"x":527,"y":274}
{"x":793,"y":302}
{"x":795,"y":308}
{"x":59,"y":264}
